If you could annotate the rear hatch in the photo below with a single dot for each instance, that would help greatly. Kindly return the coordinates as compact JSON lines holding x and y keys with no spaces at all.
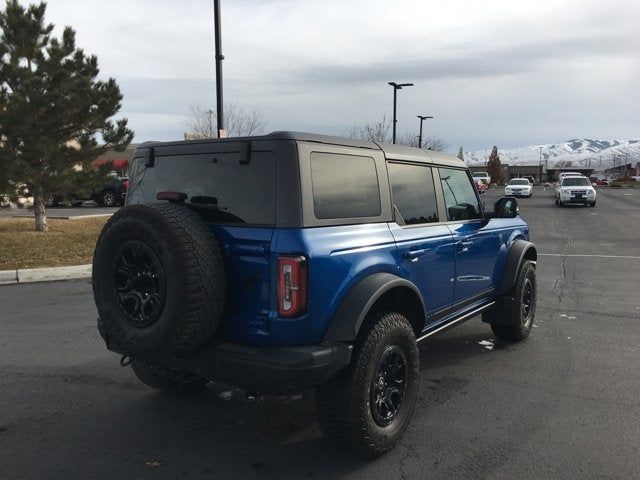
{"x":235,"y":194}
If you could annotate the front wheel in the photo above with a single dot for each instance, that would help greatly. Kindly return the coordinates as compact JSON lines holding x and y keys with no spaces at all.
{"x":592,"y":204}
{"x":367,"y":407}
{"x":524,"y":293}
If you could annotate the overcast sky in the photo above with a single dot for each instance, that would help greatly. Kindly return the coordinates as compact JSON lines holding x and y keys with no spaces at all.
{"x":509,"y":73}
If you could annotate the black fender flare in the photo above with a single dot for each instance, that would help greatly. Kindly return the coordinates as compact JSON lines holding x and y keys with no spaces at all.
{"x":357,"y":303}
{"x":520,"y":250}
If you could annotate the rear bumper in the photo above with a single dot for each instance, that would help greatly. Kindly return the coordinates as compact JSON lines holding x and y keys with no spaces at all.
{"x":263,"y":369}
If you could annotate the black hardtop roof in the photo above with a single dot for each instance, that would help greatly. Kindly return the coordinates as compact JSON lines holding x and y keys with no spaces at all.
{"x":391,"y":151}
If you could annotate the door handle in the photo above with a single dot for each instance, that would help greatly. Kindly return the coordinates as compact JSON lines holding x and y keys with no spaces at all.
{"x":415,"y":254}
{"x":464,"y":245}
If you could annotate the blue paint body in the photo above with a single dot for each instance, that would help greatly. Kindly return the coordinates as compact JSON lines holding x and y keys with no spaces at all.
{"x":449,"y":263}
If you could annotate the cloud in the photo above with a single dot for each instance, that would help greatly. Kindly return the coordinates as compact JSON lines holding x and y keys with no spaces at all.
{"x":492,"y":72}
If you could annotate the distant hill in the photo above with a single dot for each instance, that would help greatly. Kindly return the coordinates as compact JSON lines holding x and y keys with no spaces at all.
{"x":580,"y":152}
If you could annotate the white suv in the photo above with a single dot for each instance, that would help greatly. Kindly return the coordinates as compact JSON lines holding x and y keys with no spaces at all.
{"x":575,"y":189}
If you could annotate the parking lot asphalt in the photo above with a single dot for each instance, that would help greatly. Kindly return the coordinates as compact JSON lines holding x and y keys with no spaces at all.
{"x":563,"y":404}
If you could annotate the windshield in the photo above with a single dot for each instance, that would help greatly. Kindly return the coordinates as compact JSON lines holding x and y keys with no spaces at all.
{"x":519,"y":181}
{"x":480,"y":174}
{"x":576,"y":182}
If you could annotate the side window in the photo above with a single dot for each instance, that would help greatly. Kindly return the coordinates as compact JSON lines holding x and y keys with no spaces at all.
{"x":344,"y":186}
{"x":459,"y":195}
{"x":413,"y":193}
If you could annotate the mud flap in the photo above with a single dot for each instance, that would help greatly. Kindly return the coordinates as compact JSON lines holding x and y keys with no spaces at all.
{"x":503,"y":313}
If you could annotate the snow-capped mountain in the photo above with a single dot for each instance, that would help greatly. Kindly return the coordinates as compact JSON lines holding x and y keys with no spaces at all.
{"x":580,"y":152}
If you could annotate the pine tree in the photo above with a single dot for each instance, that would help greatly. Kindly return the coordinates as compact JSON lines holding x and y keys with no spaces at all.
{"x":494,"y":167}
{"x":52,"y":107}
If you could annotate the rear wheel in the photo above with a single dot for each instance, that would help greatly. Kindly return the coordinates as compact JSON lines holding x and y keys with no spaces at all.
{"x":524,"y":294}
{"x":168,"y":380}
{"x":367,"y":407}
{"x":108,"y":198}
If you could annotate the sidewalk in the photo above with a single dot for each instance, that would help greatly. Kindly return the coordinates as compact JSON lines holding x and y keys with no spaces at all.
{"x":30,"y":275}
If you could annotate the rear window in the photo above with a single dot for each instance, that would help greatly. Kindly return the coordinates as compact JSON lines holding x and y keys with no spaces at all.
{"x":480,"y":174}
{"x":344,"y":186}
{"x":217,"y":184}
{"x":414,"y":195}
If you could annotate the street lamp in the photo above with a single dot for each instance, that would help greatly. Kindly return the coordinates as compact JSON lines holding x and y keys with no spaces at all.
{"x":422,"y":118}
{"x":396,"y":87}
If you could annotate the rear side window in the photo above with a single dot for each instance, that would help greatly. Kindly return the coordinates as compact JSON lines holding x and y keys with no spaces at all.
{"x":344,"y":186}
{"x":217,"y":184}
{"x":459,"y":195}
{"x":413,"y":192}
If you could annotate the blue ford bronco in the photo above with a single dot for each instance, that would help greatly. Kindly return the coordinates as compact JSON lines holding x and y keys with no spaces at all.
{"x":288,"y":261}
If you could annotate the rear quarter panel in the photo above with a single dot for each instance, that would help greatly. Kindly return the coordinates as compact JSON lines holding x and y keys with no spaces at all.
{"x":338,"y":257}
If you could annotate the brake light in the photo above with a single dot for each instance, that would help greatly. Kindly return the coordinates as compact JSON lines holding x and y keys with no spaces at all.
{"x":125,"y":184}
{"x":292,"y":286}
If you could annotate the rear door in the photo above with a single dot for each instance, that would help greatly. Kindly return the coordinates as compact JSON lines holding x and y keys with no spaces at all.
{"x":477,"y":242}
{"x":238,"y":201}
{"x":424,"y":245}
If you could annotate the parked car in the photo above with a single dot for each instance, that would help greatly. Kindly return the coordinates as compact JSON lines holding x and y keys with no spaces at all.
{"x":288,"y":261}
{"x":598,"y":182}
{"x":482,"y":176}
{"x":111,"y":194}
{"x":575,"y":189}
{"x":518,"y":187}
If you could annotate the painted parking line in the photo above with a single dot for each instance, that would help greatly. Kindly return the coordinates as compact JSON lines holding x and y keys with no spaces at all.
{"x":631,"y":257}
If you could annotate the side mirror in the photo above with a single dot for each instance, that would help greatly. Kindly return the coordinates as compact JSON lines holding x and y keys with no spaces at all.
{"x":506,"y":207}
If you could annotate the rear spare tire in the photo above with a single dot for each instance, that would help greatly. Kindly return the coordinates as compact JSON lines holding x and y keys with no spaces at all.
{"x":158,"y":280}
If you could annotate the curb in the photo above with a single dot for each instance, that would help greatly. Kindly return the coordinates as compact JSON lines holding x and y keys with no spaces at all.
{"x":31,"y":275}
{"x":66,"y":217}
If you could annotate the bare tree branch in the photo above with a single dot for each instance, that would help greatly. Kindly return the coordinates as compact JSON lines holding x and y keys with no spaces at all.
{"x":238,"y":122}
{"x":380,"y":131}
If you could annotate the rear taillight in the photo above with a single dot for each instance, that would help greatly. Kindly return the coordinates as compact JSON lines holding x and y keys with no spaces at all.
{"x":292,"y":286}
{"x":125,"y":184}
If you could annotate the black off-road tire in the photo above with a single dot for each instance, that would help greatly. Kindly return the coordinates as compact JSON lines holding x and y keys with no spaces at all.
{"x":168,"y":380}
{"x":524,"y":294}
{"x":344,"y":404}
{"x":188,"y":281}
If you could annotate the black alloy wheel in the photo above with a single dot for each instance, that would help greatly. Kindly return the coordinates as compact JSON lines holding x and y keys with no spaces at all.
{"x":139,"y":284}
{"x":388,"y":385}
{"x":109,"y":199}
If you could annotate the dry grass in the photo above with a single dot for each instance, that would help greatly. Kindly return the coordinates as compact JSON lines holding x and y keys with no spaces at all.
{"x":68,"y":242}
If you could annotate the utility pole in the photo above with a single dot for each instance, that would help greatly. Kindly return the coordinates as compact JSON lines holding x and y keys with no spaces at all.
{"x":219,"y":57}
{"x":421,"y":117}
{"x":396,"y":87}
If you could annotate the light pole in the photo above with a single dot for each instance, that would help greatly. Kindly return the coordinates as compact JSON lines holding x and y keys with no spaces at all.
{"x":422,"y":118}
{"x":540,"y":164}
{"x":396,"y":87}
{"x":219,"y":58}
